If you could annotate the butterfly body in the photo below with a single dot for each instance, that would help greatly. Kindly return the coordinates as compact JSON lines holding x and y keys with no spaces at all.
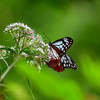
{"x":54,"y":63}
{"x":59,"y":59}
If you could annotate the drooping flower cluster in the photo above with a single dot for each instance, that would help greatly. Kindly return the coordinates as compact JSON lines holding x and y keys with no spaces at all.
{"x":28,"y":44}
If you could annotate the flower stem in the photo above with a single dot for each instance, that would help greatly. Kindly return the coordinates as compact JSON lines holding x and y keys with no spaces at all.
{"x":4,"y":61}
{"x":8,"y":69}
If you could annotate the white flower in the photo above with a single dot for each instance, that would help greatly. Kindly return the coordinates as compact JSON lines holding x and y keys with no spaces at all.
{"x":24,"y":54}
{"x":3,"y":53}
{"x":13,"y":48}
{"x":41,"y":50}
{"x":28,"y":44}
{"x":39,"y":67}
{"x":1,"y":46}
{"x":31,"y":63}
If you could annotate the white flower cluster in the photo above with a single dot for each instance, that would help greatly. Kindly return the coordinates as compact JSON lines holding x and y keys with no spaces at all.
{"x":1,"y":46}
{"x":39,"y":50}
{"x":28,"y":44}
{"x":17,"y":27}
{"x":22,"y":35}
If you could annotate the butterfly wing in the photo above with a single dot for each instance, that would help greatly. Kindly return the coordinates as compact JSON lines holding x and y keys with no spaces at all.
{"x":63,"y":44}
{"x":67,"y":62}
{"x":59,"y":58}
{"x":56,"y":65}
{"x":54,"y":62}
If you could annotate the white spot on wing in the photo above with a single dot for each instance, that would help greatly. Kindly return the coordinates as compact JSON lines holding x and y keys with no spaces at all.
{"x":65,"y":40}
{"x":58,"y":43}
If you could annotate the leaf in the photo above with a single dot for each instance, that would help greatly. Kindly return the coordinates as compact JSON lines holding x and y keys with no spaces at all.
{"x":91,"y":70}
{"x":2,"y":70}
{"x":50,"y":85}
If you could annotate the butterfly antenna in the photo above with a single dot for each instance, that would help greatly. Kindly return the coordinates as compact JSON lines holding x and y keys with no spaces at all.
{"x":50,"y":44}
{"x":46,"y":36}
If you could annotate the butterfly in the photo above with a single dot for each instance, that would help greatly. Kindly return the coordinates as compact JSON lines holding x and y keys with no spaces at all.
{"x":59,"y":59}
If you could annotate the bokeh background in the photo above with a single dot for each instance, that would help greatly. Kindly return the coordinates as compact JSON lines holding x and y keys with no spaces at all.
{"x":78,"y":19}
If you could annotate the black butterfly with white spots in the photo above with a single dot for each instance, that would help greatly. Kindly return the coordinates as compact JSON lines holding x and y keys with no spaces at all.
{"x":59,"y":59}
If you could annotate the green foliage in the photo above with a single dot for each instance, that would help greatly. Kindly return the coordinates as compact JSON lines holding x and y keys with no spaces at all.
{"x":91,"y":70}
{"x":50,"y":85}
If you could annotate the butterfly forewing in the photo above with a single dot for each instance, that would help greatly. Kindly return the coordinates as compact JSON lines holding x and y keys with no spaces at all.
{"x":67,"y":62}
{"x":63,"y":44}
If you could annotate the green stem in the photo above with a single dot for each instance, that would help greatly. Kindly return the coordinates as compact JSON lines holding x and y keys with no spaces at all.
{"x":8,"y":69}
{"x":4,"y":60}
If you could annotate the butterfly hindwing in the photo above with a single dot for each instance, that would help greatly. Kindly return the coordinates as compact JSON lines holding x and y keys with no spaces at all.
{"x":54,"y":63}
{"x":63,"y":44}
{"x":67,"y":62}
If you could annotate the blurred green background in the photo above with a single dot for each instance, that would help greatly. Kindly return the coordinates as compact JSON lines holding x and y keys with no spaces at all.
{"x":78,"y":19}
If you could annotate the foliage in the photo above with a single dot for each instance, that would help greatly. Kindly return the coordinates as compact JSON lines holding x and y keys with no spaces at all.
{"x":50,"y":86}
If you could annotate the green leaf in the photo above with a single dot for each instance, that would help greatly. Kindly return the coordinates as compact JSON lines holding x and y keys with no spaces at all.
{"x":2,"y":70}
{"x":91,"y":70}
{"x":50,"y":85}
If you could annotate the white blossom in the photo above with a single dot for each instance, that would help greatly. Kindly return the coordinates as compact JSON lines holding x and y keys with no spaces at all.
{"x":28,"y":44}
{"x":16,"y":26}
{"x":40,"y":49}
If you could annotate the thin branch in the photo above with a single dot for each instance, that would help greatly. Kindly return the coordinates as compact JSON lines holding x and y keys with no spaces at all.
{"x":6,"y":96}
{"x":8,"y":69}
{"x":30,"y":88}
{"x":4,"y":61}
